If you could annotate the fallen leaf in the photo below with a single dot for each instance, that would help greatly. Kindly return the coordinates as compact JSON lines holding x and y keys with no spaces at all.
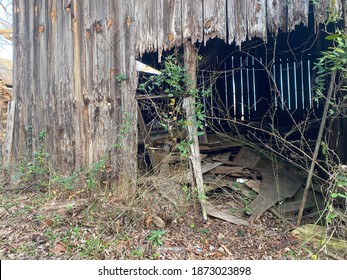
{"x":148,"y":221}
{"x":48,"y":223}
{"x":59,"y":247}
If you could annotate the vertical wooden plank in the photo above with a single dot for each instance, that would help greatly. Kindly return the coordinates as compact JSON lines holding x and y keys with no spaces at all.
{"x":192,"y":25}
{"x":256,"y":20}
{"x":276,"y":15}
{"x":2,"y":104}
{"x":240,"y":14}
{"x":124,"y":158}
{"x":322,"y":8}
{"x":169,"y":25}
{"x":297,"y":13}
{"x":20,"y":110}
{"x":320,"y":11}
{"x":231,"y":23}
{"x":189,"y":107}
{"x":65,"y":67}
{"x":214,"y":12}
{"x":146,"y":26}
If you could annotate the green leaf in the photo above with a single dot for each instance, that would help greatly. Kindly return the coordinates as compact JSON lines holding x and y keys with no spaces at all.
{"x":332,"y":37}
{"x":333,"y":195}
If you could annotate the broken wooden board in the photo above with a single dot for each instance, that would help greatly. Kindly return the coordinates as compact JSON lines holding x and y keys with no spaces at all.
{"x":216,"y":183}
{"x":215,"y":212}
{"x":63,"y":204}
{"x":210,"y":166}
{"x":219,"y":142}
{"x":222,"y":157}
{"x":246,"y":157}
{"x":277,"y":184}
{"x":234,"y":171}
{"x":293,"y":207}
{"x":254,"y":185}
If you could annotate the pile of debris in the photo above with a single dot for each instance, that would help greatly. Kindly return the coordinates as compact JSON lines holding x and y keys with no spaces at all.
{"x":253,"y":181}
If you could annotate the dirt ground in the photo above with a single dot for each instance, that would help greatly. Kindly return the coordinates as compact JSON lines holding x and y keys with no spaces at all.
{"x":105,"y":228}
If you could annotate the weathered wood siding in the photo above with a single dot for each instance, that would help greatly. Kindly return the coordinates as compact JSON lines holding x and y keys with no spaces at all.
{"x":166,"y":23}
{"x":68,"y":54}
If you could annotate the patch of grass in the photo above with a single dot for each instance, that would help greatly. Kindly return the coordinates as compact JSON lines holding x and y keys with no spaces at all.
{"x":138,"y":253}
{"x":27,"y":249}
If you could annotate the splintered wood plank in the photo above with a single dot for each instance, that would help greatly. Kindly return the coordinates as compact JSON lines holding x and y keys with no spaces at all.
{"x":256,"y":19}
{"x":246,"y":157}
{"x":278,"y":183}
{"x":222,"y":157}
{"x":320,"y":10}
{"x":209,"y":166}
{"x":169,"y":24}
{"x":215,"y":212}
{"x":231,"y":21}
{"x":297,"y":13}
{"x":230,"y":170}
{"x":146,"y":26}
{"x":214,"y":19}
{"x":240,"y":14}
{"x":276,"y":15}
{"x":192,"y":24}
{"x":254,"y":185}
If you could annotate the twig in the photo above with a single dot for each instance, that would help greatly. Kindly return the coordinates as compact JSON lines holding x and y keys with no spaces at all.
{"x":318,"y":143}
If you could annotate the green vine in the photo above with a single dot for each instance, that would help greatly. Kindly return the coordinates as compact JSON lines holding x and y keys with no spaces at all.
{"x":174,"y":83}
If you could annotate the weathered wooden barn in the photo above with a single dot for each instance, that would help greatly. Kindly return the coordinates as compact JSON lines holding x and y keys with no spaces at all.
{"x":75,"y":76}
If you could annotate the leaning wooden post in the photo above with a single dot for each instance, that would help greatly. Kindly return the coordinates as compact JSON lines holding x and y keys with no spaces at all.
{"x":190,"y":56}
{"x":317,"y":146}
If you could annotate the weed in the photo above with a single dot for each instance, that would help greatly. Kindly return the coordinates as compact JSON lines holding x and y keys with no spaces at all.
{"x":138,"y":253}
{"x":204,"y":231}
{"x":121,"y":78}
{"x":94,"y":174}
{"x":246,"y":209}
{"x":34,"y":171}
{"x":92,"y":248}
{"x":53,"y":236}
{"x":155,"y":237}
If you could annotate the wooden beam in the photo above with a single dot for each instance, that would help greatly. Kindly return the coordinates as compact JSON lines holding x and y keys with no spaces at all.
{"x":189,"y":107}
{"x":146,"y":138}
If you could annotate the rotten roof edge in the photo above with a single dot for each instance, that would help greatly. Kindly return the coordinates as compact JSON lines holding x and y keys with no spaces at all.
{"x":321,"y":11}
